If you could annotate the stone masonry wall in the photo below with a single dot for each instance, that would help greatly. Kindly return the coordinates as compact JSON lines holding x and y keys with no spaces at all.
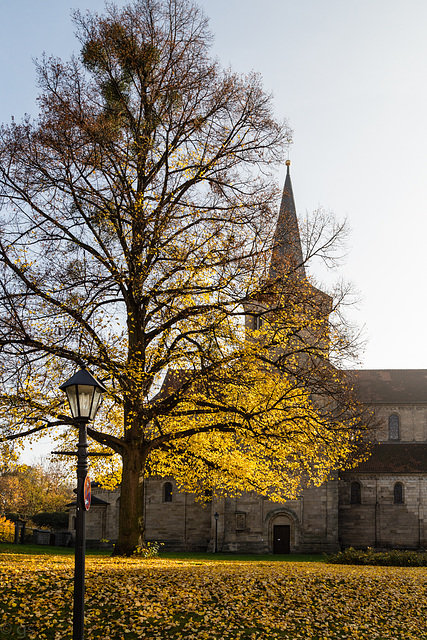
{"x":182,"y":524}
{"x":377,"y":521}
{"x":246,"y":522}
{"x":412,"y":418}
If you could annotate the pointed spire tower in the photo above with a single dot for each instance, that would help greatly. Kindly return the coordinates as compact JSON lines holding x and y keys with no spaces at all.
{"x":287,"y":286}
{"x":287,"y":255}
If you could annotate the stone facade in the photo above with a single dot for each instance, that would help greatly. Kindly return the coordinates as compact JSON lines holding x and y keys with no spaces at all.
{"x":102,"y":520}
{"x":382,"y":504}
{"x":378,"y":521}
{"x":246,"y":524}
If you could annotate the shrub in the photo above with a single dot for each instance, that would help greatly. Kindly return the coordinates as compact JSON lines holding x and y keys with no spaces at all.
{"x":394,"y":558}
{"x":53,"y":520}
{"x":7,"y":530}
{"x":149,"y":550}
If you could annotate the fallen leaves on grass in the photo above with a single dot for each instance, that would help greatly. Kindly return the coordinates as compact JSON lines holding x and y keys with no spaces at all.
{"x":161,"y":599}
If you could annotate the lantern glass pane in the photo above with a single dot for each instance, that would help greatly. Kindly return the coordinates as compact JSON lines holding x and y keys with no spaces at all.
{"x":72,"y":399}
{"x":97,"y":398}
{"x":85,"y":399}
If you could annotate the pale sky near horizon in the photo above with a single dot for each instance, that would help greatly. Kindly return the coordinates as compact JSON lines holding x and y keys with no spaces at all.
{"x":350,"y":77}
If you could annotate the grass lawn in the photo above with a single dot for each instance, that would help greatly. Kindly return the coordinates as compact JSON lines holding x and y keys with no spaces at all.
{"x":201,"y":596}
{"x":36,"y":549}
{"x":41,"y":549}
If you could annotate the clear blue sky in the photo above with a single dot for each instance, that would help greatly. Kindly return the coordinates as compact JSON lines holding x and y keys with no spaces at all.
{"x":350,"y":76}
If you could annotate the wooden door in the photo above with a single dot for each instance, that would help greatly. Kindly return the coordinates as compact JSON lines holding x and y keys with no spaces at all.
{"x":281,"y":538}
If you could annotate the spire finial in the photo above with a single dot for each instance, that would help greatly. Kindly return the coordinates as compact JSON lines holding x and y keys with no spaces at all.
{"x":288,"y":164}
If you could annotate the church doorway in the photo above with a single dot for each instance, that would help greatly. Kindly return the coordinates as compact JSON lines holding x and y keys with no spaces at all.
{"x":281,"y":538}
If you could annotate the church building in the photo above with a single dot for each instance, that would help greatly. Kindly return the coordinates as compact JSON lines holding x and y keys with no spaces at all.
{"x":381,"y":503}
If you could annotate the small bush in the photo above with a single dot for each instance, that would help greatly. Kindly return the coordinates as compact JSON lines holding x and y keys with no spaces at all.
{"x":149,"y":550}
{"x":395,"y":558}
{"x":7,"y":530}
{"x":53,"y":520}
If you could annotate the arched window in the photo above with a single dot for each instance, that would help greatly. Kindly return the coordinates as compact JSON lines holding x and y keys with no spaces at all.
{"x":355,"y":493}
{"x":393,"y":427}
{"x":167,"y":492}
{"x":398,"y":493}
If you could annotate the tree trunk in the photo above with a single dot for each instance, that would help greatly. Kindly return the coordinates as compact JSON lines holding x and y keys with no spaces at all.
{"x":131,"y":515}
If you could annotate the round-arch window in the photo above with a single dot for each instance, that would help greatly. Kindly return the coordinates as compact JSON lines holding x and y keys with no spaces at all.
{"x":398,"y":493}
{"x":167,"y":492}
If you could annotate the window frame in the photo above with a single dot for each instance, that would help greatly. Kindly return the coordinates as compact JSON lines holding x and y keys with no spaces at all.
{"x":167,"y":492}
{"x":355,"y":494}
{"x":398,"y":499}
{"x":394,"y":428}
{"x":258,"y":322}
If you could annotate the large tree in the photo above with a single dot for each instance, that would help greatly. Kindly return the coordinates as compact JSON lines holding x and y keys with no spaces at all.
{"x":138,"y":216}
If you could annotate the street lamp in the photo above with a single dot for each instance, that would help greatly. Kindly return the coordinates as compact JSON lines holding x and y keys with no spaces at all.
{"x":84,"y":395}
{"x":216,"y":516}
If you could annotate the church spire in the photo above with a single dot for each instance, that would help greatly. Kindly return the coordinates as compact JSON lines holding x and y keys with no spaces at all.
{"x":287,"y":251}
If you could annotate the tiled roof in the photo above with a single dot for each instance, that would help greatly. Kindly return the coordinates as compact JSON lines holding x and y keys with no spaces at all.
{"x":94,"y":502}
{"x":391,"y":386}
{"x":374,"y":386}
{"x":409,"y":457}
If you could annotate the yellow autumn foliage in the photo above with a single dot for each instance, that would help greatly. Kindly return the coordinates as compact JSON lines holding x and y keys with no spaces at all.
{"x":198,"y":599}
{"x":7,"y":530}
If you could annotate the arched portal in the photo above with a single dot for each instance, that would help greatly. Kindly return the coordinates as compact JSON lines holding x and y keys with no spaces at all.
{"x":282,"y":533}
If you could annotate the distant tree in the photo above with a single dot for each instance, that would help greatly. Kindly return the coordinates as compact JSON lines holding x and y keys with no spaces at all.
{"x":28,"y":490}
{"x":136,"y":234}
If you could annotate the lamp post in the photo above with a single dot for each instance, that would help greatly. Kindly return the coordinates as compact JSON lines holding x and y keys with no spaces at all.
{"x":216,"y":516}
{"x":84,"y":395}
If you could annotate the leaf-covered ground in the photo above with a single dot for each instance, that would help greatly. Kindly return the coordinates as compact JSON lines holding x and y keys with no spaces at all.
{"x":196,"y":600}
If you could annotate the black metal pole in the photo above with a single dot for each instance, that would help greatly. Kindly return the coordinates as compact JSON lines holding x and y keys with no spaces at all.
{"x":79,"y":561}
{"x":216,"y":535}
